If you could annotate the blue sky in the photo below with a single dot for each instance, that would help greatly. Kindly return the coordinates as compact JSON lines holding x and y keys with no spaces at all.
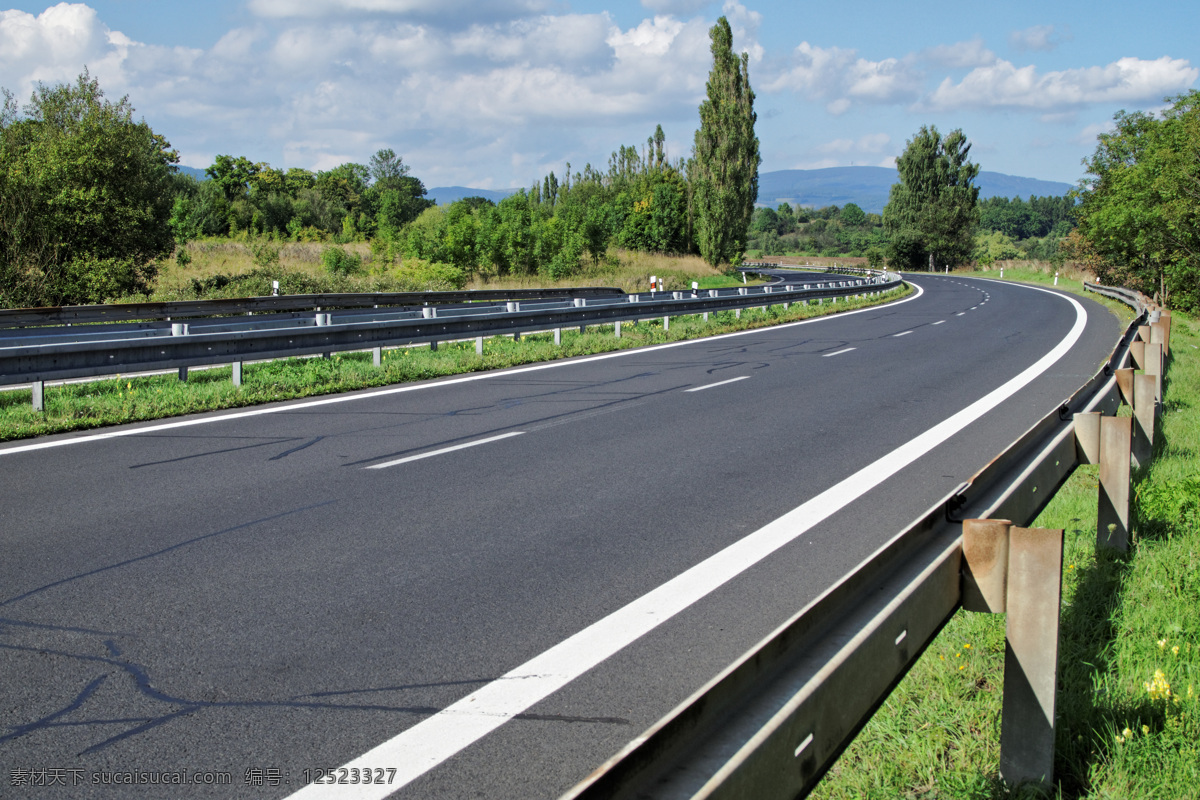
{"x":494,"y":93}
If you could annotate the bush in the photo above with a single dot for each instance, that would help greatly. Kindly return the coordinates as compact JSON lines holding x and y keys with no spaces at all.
{"x":339,"y":262}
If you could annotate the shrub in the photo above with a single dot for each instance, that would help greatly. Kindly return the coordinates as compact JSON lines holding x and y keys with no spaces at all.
{"x":339,"y":262}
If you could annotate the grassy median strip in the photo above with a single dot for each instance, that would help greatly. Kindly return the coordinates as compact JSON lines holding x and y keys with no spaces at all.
{"x":1129,"y":649}
{"x":94,"y":404}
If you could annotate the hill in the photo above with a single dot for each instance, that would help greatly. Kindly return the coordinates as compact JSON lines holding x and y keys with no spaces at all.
{"x":869,"y":186}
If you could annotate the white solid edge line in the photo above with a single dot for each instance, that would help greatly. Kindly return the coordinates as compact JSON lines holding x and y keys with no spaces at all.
{"x":451,"y":449}
{"x":423,"y":746}
{"x":718,"y":383}
{"x":838,"y":352}
{"x":475,"y":376}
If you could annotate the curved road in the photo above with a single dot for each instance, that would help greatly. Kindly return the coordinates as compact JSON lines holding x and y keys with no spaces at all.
{"x":280,"y":590}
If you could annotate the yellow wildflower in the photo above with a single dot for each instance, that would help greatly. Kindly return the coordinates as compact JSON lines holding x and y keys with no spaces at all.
{"x":1128,"y":734}
{"x":1145,"y":729}
{"x":1158,"y":688}
{"x":1162,"y":643}
{"x":966,"y":647}
{"x":1175,"y":650}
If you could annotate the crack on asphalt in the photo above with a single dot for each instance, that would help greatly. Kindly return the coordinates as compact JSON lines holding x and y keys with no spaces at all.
{"x":287,"y":453}
{"x":163,"y":551}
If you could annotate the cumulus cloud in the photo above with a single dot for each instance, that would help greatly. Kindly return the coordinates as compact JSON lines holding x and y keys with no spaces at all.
{"x":841,"y":78}
{"x":446,"y":10}
{"x":1004,"y":85}
{"x":460,"y":102}
{"x":677,"y":7}
{"x":961,"y":55}
{"x":1039,"y":38}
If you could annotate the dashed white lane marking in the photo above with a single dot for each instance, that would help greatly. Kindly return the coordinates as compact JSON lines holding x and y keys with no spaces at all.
{"x":959,"y":314}
{"x":421,"y":747}
{"x":838,"y":352}
{"x":418,"y":387}
{"x":939,"y":322}
{"x":444,"y":450}
{"x":718,"y":383}
{"x":897,"y":335}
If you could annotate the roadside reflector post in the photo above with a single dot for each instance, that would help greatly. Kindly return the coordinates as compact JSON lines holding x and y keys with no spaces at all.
{"x":558,"y":335}
{"x":666,"y":323}
{"x":1112,"y":515}
{"x":236,"y":370}
{"x":1087,"y":437}
{"x":478,"y":345}
{"x":617,"y":329}
{"x":377,"y":356}
{"x":1144,"y":410}
{"x":39,"y":395}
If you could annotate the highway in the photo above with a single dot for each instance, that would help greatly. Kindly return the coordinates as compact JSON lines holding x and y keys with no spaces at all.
{"x":272,"y":593}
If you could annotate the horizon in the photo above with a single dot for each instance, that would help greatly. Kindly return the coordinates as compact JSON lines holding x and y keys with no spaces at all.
{"x":495,"y":95}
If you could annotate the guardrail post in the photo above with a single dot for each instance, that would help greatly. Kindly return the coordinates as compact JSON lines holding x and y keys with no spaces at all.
{"x":1018,"y":571}
{"x":1159,"y":335}
{"x":1031,"y":655}
{"x":236,"y":370}
{"x":180,"y":329}
{"x":1125,"y":385}
{"x":39,"y":395}
{"x":1087,"y":437}
{"x":1137,"y":349}
{"x":1112,"y":515}
{"x":1154,"y":366}
{"x":1145,"y":408}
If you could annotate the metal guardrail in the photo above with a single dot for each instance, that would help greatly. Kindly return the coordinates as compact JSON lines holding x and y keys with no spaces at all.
{"x":771,"y":724}
{"x":185,"y":309}
{"x":159,"y":349}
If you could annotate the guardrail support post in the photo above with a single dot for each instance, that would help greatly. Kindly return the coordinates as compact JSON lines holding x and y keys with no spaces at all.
{"x":1159,"y":333}
{"x":39,"y":395}
{"x":1154,"y":366}
{"x":1144,"y":411}
{"x":1125,"y":385}
{"x":1018,"y":571}
{"x":1087,"y":437}
{"x":236,"y":369}
{"x":1031,"y":655}
{"x":1137,"y":349}
{"x":1112,"y":516}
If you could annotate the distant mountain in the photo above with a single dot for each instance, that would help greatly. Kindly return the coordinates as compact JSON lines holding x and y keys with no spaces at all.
{"x":195,"y":172}
{"x":443,"y":195}
{"x":835,"y":186}
{"x":868,"y":187}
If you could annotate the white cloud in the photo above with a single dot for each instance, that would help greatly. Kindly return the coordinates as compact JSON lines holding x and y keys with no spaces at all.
{"x":841,"y":78}
{"x":961,"y":55}
{"x":1003,"y":85}
{"x":1040,"y":38}
{"x":1088,"y":135}
{"x":447,"y":10}
{"x":678,"y":7}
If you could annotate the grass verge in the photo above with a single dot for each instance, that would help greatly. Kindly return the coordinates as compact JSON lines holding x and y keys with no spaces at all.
{"x":1129,"y":650}
{"x":96,"y":404}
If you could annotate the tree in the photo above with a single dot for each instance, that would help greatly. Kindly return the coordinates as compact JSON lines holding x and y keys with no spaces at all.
{"x":85,"y":197}
{"x":1139,"y":212}
{"x":724,"y":167}
{"x":932,"y":212}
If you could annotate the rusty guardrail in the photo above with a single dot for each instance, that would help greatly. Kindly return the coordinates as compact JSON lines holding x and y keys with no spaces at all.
{"x":771,"y":724}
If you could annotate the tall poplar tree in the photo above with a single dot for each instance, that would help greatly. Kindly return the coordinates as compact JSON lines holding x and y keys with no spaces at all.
{"x":931,"y":214}
{"x":724,"y":169}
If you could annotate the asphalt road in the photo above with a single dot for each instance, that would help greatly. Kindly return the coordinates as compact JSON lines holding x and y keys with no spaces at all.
{"x":244,"y":594}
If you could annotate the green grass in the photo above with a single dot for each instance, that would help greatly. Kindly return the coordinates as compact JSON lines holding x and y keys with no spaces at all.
{"x":1120,"y":735}
{"x":95,"y":404}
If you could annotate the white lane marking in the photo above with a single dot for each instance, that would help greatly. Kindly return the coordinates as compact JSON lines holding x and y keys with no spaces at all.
{"x":477,"y":376}
{"x":718,"y":383}
{"x":897,"y":335}
{"x":838,"y":352}
{"x":939,"y":322}
{"x":959,"y":314}
{"x":423,"y":746}
{"x":444,"y":450}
